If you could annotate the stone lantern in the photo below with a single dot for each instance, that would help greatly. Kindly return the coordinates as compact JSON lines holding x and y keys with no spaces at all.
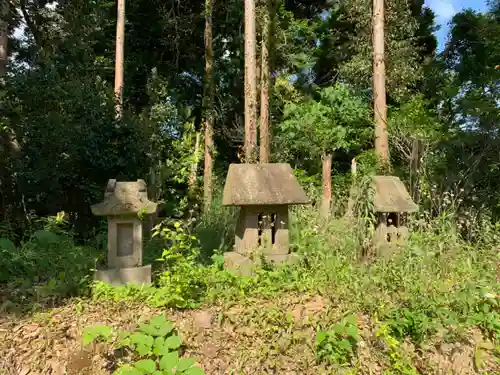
{"x":263,"y":192}
{"x":124,"y":203}
{"x":392,"y":203}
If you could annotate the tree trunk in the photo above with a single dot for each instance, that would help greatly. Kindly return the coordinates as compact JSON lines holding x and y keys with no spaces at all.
{"x":208,"y":99}
{"x":416,"y":155}
{"x":264,"y":87}
{"x":379,"y":95}
{"x":353,"y":191}
{"x":327,"y":185}
{"x":250,"y":82}
{"x":4,"y":36}
{"x":31,"y":24}
{"x":194,"y":164}
{"x":7,"y":138}
{"x":119,"y":57}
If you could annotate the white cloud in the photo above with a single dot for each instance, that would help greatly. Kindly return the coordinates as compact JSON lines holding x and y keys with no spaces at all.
{"x":443,"y":9}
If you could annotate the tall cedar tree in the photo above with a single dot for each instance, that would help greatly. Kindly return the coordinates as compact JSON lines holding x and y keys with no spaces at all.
{"x":208,"y":107}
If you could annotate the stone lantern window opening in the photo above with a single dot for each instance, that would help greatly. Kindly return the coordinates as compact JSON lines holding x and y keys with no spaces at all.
{"x":265,"y":223}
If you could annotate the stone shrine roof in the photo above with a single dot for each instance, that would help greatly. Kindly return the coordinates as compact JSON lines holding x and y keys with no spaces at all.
{"x":262,"y":184}
{"x":391,"y":195}
{"x":123,"y":198}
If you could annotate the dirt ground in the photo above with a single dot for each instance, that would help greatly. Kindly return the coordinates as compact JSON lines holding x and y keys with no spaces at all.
{"x":259,"y":337}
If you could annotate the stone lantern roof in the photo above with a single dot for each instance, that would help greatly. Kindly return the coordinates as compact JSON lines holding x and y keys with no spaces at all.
{"x":262,"y":184}
{"x":124,"y":198}
{"x":391,"y":195}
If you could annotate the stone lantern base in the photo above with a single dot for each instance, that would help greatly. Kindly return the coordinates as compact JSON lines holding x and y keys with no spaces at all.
{"x":244,"y":265}
{"x":123,"y":276}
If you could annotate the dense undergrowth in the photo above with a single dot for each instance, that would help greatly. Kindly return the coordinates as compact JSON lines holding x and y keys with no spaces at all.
{"x":437,"y":285}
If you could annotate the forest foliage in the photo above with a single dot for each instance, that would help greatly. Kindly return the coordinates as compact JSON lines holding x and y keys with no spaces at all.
{"x":60,"y":142}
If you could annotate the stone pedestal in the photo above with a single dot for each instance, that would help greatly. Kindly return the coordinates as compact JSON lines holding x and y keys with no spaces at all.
{"x":123,"y":276}
{"x":243,"y":265}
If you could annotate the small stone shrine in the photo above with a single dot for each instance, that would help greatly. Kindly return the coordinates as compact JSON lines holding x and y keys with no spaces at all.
{"x":123,"y":203}
{"x":263,"y":192}
{"x":392,"y":203}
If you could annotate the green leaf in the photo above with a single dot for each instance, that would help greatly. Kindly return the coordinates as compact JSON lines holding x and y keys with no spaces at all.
{"x":123,"y":339}
{"x":128,"y":370}
{"x":96,"y":332}
{"x":147,"y":366}
{"x":141,"y":339}
{"x":169,"y":361}
{"x":321,"y":336}
{"x":157,"y":327}
{"x":159,"y":346}
{"x":158,"y":320}
{"x":338,"y":328}
{"x":352,"y":331}
{"x":142,"y":350}
{"x":185,"y":363}
{"x":164,"y":329}
{"x":7,"y":244}
{"x":194,"y":371}
{"x":45,"y":237}
{"x":345,"y":345}
{"x":351,"y":320}
{"x":173,"y":342}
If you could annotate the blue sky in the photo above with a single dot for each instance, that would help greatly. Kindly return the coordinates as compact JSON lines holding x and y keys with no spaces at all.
{"x":445,"y":9}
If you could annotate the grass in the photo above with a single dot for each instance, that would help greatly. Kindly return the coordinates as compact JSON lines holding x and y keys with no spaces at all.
{"x":332,"y":313}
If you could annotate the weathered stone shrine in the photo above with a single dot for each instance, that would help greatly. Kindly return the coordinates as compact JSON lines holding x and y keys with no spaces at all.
{"x":123,"y":203}
{"x":392,"y":203}
{"x":264,"y":192}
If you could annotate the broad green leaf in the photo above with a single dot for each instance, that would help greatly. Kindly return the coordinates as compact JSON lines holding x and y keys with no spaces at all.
{"x":128,"y":370}
{"x":147,"y":366}
{"x":338,"y":328}
{"x":159,"y":346}
{"x":164,"y":329}
{"x":351,"y":319}
{"x":173,"y":342}
{"x":352,"y":332}
{"x":169,"y":361}
{"x":7,"y":244}
{"x":141,"y":338}
{"x":194,"y":371}
{"x":146,"y":328}
{"x":93,"y":333}
{"x":142,"y":350}
{"x":321,"y":336}
{"x":45,"y":237}
{"x":185,"y":363}
{"x":158,"y":320}
{"x":346,"y":345}
{"x":157,"y":327}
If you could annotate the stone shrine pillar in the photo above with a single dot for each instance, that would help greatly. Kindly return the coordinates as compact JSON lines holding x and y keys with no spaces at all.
{"x":123,"y":204}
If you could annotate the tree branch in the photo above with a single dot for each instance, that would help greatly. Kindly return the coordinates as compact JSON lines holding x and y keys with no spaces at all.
{"x":31,"y":25}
